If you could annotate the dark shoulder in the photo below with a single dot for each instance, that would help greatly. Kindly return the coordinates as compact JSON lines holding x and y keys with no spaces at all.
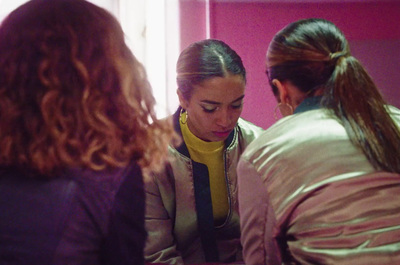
{"x":105,"y":180}
{"x":100,"y":191}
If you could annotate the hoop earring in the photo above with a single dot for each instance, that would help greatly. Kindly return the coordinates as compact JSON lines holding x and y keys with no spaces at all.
{"x":181,"y":114}
{"x":279,"y":106}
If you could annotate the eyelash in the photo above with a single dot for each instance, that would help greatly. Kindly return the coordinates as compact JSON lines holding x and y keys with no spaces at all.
{"x":209,"y":110}
{"x":237,"y":106}
{"x":212,"y":110}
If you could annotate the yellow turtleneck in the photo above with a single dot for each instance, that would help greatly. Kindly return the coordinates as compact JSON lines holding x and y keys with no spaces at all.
{"x":210,"y":154}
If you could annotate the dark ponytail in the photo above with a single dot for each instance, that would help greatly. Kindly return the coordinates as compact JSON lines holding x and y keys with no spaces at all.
{"x":314,"y":54}
{"x":357,"y":102}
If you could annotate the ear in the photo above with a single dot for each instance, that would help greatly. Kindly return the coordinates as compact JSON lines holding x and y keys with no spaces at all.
{"x":283,"y":96}
{"x":182,"y":101}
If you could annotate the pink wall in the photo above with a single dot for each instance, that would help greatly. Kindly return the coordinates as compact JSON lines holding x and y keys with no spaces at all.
{"x":192,"y":21}
{"x":372,"y":28}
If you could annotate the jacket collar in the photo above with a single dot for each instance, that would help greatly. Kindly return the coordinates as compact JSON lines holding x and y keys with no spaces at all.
{"x":310,"y":103}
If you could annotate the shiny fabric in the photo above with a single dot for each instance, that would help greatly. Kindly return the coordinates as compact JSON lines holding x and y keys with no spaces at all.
{"x":172,"y":220}
{"x":308,"y":196}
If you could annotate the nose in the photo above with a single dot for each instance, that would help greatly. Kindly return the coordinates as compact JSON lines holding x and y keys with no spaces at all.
{"x":224,"y":118}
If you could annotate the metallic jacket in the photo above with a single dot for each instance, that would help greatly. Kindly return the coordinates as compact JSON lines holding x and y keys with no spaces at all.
{"x":179,"y":217}
{"x":307,"y":195}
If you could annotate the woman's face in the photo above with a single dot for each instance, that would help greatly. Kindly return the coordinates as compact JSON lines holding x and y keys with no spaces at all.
{"x":215,"y":107}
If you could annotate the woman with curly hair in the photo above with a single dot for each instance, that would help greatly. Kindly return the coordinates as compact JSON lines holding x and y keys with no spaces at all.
{"x":77,"y":127}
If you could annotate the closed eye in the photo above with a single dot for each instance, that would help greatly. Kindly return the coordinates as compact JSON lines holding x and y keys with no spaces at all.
{"x":209,"y":109}
{"x":237,"y":106}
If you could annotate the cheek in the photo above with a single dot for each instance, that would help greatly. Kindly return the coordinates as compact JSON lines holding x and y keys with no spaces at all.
{"x":209,"y":121}
{"x":202,"y":119}
{"x":236,"y":114}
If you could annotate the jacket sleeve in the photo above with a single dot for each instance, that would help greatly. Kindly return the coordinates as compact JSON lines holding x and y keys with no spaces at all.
{"x":256,"y":220}
{"x":159,"y":220}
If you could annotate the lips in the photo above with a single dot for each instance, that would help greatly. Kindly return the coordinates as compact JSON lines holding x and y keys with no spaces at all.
{"x":222,"y":134}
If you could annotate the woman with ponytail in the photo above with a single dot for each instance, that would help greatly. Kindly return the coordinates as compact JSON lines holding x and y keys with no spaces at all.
{"x":321,"y":185}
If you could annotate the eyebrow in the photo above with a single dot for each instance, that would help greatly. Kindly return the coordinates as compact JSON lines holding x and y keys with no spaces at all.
{"x":219,"y":103}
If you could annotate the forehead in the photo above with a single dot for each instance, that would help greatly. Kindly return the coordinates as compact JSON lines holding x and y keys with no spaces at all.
{"x":220,"y":89}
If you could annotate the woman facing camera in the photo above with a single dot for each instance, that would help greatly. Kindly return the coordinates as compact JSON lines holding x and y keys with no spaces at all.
{"x":192,"y":214}
{"x":77,"y":126}
{"x":321,"y":185}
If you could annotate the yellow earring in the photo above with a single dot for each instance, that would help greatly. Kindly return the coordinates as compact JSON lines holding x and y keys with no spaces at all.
{"x":183,"y":116}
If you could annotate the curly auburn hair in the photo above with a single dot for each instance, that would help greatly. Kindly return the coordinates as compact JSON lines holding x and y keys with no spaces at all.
{"x":72,"y":94}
